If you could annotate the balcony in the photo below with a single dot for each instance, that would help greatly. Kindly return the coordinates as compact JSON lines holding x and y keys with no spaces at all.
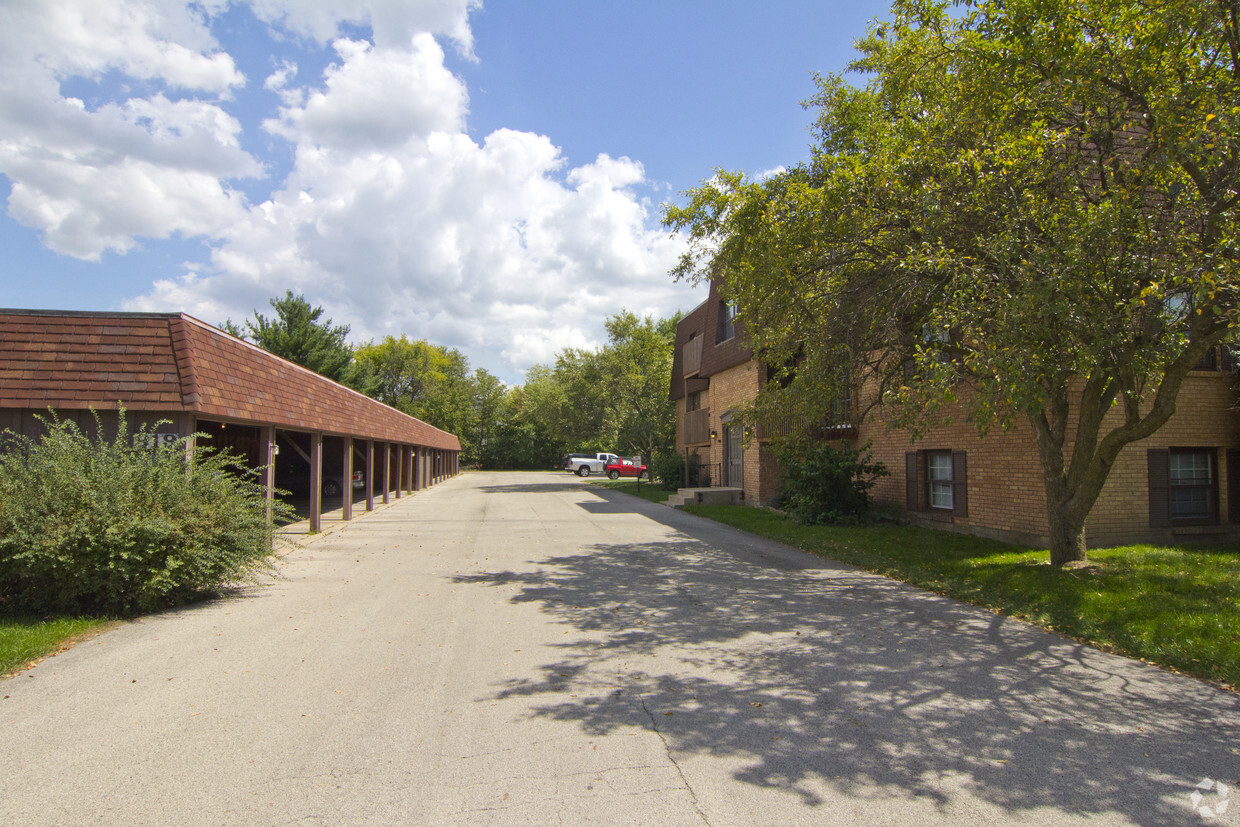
{"x":697,"y":427}
{"x":806,"y":427}
{"x":691,"y":357}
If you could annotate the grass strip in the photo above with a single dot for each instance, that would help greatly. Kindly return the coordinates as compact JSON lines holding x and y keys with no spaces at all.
{"x":23,"y":640}
{"x":1178,"y":607}
{"x":652,"y":491}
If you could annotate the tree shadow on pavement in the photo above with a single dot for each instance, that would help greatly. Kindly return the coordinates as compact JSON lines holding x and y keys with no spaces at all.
{"x":818,"y":678}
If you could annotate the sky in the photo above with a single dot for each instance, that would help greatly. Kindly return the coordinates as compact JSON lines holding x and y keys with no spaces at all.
{"x":484,"y":174}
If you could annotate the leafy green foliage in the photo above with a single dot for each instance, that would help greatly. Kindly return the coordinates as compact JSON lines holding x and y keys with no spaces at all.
{"x":824,"y":485}
{"x":669,"y":470}
{"x":1029,"y":213}
{"x":611,"y":399}
{"x":91,"y":525}
{"x":296,"y":333}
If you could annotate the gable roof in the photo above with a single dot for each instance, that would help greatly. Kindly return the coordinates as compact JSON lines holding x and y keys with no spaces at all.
{"x":174,"y":362}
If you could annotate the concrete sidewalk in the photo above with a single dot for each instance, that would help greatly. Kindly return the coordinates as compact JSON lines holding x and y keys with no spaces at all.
{"x":530,"y":649}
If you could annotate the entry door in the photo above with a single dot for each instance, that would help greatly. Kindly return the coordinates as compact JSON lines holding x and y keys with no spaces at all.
{"x":733,"y":457}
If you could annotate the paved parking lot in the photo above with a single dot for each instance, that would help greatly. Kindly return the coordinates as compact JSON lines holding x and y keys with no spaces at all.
{"x":533,"y":649}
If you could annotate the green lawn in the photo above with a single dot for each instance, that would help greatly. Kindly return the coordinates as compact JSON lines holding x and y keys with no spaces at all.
{"x":649,"y":490}
{"x":1175,"y":606}
{"x":23,"y":639}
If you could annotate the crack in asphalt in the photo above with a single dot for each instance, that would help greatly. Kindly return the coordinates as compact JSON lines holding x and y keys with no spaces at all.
{"x":667,"y":748}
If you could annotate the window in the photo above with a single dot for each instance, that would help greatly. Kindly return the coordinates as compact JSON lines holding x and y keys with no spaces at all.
{"x":693,"y":402}
{"x":1183,"y":486}
{"x":1193,"y":485}
{"x":937,"y":481}
{"x":939,"y":477}
{"x":727,"y":321}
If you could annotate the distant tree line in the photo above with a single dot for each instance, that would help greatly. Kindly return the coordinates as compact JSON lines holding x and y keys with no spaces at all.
{"x":611,"y":399}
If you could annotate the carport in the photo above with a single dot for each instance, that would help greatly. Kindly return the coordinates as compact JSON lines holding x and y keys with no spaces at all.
{"x":193,"y":378}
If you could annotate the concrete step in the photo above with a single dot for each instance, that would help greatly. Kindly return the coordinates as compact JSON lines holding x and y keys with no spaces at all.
{"x":706,"y":496}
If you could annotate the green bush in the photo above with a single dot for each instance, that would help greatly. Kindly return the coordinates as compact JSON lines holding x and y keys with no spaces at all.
{"x":823,"y":485}
{"x":669,"y":469}
{"x":117,"y":527}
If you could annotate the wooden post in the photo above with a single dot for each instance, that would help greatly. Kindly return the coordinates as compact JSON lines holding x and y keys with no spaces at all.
{"x":370,"y":475}
{"x":316,"y":482}
{"x":269,"y":472}
{"x":387,"y":472}
{"x":346,"y":484}
{"x":400,"y":471}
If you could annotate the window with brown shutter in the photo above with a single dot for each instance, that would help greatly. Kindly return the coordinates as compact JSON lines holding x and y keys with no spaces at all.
{"x":910,"y":480}
{"x":1233,"y":486}
{"x":960,"y":484}
{"x":1157,"y":461}
{"x":1184,"y":486}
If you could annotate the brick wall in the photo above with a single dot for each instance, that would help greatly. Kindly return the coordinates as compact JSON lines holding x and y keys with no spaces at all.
{"x":1006,"y":497}
{"x":730,"y":390}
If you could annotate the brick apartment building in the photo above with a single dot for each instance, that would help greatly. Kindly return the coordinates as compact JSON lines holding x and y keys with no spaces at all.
{"x":1181,"y":484}
{"x":195,"y":378}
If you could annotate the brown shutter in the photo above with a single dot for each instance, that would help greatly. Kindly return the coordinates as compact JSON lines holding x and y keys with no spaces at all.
{"x":960,"y":484}
{"x":1158,"y":461}
{"x":1233,"y":486}
{"x":910,"y":480}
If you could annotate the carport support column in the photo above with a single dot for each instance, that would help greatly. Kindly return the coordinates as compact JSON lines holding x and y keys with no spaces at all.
{"x":370,"y":475}
{"x":387,"y":472}
{"x":346,"y":484}
{"x":419,"y":459}
{"x":409,"y":481}
{"x":400,"y":471}
{"x":269,"y":471}
{"x":316,"y":482}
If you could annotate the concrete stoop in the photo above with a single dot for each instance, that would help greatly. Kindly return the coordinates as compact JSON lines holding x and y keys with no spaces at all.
{"x":706,"y":496}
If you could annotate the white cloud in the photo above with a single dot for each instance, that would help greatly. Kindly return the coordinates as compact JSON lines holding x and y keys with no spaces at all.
{"x":392,"y":215}
{"x":377,"y":98}
{"x":96,"y":180}
{"x":394,"y":22}
{"x":479,"y":247}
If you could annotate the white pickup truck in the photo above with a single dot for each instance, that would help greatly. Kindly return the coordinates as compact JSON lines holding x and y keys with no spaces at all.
{"x":583,"y":465}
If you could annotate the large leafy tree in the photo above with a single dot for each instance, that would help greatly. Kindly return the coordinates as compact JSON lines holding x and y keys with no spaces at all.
{"x":1029,"y":212}
{"x":613,"y":398}
{"x":298,"y":332}
{"x":424,"y":380}
{"x":637,"y":363}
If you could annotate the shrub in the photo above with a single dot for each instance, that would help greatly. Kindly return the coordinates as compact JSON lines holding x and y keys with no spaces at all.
{"x":670,"y":470}
{"x":118,"y":527}
{"x":825,"y":485}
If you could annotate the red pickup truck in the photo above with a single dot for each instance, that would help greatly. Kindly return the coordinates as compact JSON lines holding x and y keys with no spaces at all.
{"x":622,"y":467}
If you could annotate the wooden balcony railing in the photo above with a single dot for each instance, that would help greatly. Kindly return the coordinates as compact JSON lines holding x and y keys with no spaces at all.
{"x":697,"y":427}
{"x":691,"y":356}
{"x":805,"y":426}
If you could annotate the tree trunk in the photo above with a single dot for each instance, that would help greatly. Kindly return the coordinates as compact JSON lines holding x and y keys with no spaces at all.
{"x":1067,"y":534}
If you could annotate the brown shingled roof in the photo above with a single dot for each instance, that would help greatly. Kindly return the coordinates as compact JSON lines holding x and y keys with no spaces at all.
{"x":173,"y":362}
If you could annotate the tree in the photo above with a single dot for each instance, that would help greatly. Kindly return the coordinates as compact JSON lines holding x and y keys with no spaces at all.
{"x":1029,"y":212}
{"x":638,"y":365}
{"x":295,"y":333}
{"x":426,"y":381}
{"x":611,"y":399}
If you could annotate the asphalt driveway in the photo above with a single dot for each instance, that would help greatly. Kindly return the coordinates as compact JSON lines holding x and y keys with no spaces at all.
{"x":533,"y":649}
